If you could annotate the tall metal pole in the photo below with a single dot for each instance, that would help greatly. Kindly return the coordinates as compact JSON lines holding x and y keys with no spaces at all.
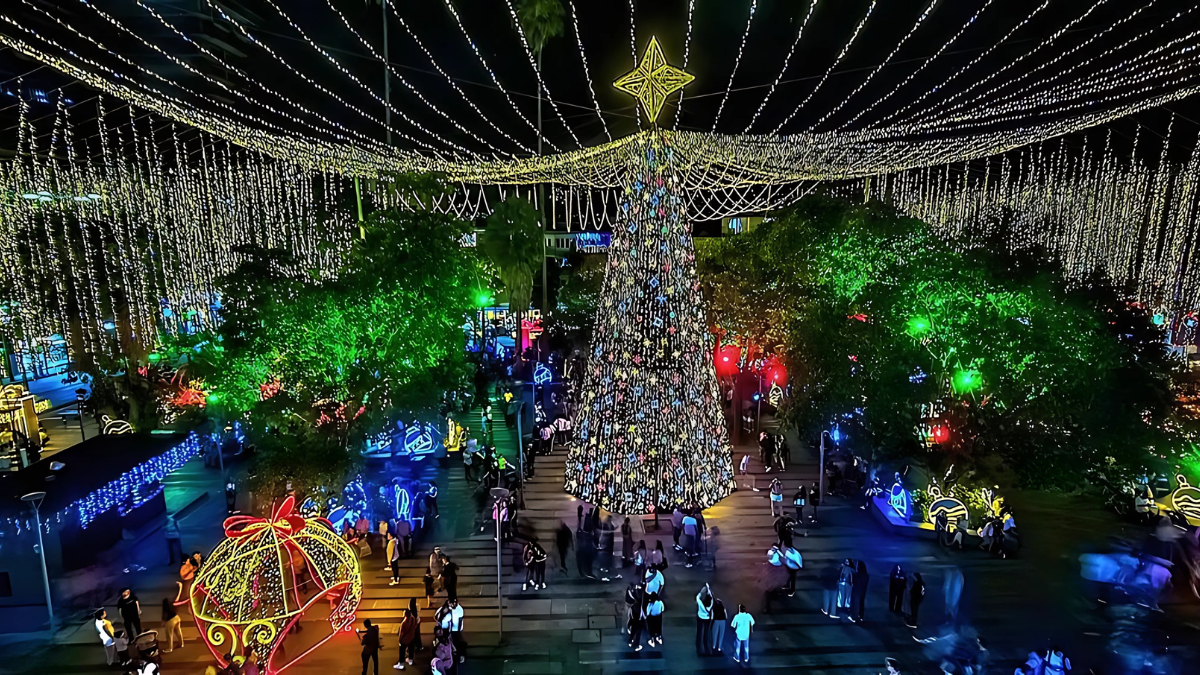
{"x":499,"y":583}
{"x":821,"y":479}
{"x":35,"y":499}
{"x":521,"y":442}
{"x":542,"y":191}
{"x":79,"y":407}
{"x":387,"y":73}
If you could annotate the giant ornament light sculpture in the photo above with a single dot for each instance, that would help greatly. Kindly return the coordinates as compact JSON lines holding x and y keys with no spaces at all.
{"x":266,"y":576}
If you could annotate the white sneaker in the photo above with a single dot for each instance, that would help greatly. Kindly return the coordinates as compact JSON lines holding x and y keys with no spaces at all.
{"x":399,"y":666}
{"x":543,"y":584}
{"x":408,"y":661}
{"x":393,"y":583}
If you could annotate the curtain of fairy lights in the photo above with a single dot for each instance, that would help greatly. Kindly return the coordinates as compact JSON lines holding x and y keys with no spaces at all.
{"x":1095,"y":203}
{"x":115,"y":236}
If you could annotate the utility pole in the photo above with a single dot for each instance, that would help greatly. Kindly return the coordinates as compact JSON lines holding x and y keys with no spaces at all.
{"x":542,"y":189}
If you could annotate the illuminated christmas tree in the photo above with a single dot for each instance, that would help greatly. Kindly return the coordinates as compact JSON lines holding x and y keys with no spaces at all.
{"x":650,"y":432}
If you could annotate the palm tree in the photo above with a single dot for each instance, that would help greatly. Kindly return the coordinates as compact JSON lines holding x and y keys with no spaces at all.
{"x":515,"y":244}
{"x":540,"y":21}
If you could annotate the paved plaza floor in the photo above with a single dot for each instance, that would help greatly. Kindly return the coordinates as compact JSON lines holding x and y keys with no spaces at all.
{"x":574,"y":626}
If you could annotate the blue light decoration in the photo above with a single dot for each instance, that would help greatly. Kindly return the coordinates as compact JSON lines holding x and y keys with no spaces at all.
{"x":835,"y":434}
{"x":900,"y":500}
{"x":418,"y":440}
{"x":755,"y":397}
{"x":138,"y":486}
{"x":403,"y":503}
{"x":310,"y":509}
{"x":542,"y":374}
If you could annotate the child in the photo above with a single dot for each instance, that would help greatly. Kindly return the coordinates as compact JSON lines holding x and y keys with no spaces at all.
{"x":428,"y":589}
{"x":121,"y":643}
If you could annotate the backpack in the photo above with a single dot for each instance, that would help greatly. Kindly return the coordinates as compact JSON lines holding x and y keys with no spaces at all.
{"x":774,"y":556}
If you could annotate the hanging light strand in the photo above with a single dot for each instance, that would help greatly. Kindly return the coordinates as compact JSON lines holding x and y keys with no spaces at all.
{"x":786,"y":62}
{"x":737,"y":61}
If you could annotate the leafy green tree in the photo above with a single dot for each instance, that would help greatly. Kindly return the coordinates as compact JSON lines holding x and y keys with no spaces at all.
{"x":1024,"y":376}
{"x":513,"y":241}
{"x":313,"y":365}
{"x":578,"y":298}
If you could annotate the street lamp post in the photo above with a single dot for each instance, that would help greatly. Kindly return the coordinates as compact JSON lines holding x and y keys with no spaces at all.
{"x":497,"y":495}
{"x":79,"y":407}
{"x":35,"y":498}
{"x":821,"y":479}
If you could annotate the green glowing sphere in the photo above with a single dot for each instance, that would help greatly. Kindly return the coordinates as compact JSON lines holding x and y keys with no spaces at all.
{"x":966,"y":380}
{"x":918,"y":325}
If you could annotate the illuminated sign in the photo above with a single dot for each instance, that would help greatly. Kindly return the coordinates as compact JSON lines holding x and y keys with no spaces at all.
{"x":542,"y":374}
{"x":900,"y":500}
{"x":939,"y":504}
{"x":593,"y":242}
{"x":1186,"y":499}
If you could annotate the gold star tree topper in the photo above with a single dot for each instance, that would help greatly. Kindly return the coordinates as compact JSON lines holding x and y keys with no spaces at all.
{"x":653,"y":80}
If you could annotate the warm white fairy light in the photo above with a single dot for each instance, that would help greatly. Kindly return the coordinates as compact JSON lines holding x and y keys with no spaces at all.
{"x":371,"y":92}
{"x":404,"y":81}
{"x":450,"y":81}
{"x":888,"y":59}
{"x":491,"y":73}
{"x":637,"y":110}
{"x":737,"y":61}
{"x":1059,"y":74}
{"x":969,"y":64}
{"x":1110,"y":79}
{"x":921,"y":68}
{"x":687,"y":50}
{"x":1008,"y":64}
{"x":841,"y":55}
{"x":586,"y":72}
{"x":786,"y":62}
{"x":538,"y":71}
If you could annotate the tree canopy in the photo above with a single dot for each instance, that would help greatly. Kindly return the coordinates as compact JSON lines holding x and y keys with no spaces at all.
{"x":945,"y":351}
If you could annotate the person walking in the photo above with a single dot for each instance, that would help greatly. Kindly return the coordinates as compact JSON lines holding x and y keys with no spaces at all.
{"x":741,"y":625}
{"x":131,"y":612}
{"x":704,"y":621}
{"x":799,"y":500}
{"x":654,"y":581}
{"x":171,"y":625}
{"x":450,"y":578}
{"x":691,"y":530}
{"x":658,"y":558}
{"x":562,"y":543}
{"x":654,"y":612}
{"x":534,"y":557}
{"x":626,"y":541}
{"x":404,"y":537}
{"x":861,"y":579}
{"x":776,"y":497}
{"x":845,"y":585}
{"x":108,"y":639}
{"x":174,"y":547}
{"x":393,"y":556}
{"x":814,"y":499}
{"x":369,"y":638}
{"x":718,"y":627}
{"x":410,"y":628}
{"x":456,"y":629}
{"x":676,"y":527}
{"x":641,"y":558}
{"x":829,"y":590}
{"x":635,"y":602}
{"x":896,"y":586}
{"x":412,"y":609}
{"x":916,"y":595}
{"x":794,"y":562}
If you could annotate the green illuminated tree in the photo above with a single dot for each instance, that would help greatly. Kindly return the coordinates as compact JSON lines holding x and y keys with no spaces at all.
{"x":897,"y":331}
{"x":318,"y":364}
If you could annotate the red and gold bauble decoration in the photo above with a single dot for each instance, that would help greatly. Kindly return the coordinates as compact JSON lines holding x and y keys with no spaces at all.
{"x":265,"y":577}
